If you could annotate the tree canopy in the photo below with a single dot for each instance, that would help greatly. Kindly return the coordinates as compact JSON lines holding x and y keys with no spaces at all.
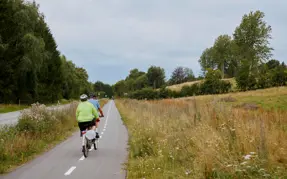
{"x":32,"y":69}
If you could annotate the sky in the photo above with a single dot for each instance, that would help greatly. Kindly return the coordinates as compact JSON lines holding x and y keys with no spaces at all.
{"x":110,"y":37}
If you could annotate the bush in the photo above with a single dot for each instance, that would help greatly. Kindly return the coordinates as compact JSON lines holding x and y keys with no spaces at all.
{"x":279,"y":77}
{"x":145,"y":93}
{"x":164,"y":93}
{"x":264,"y":81}
{"x":246,"y":82}
{"x":213,"y":83}
{"x":190,"y":90}
{"x":225,"y":86}
{"x":35,"y":131}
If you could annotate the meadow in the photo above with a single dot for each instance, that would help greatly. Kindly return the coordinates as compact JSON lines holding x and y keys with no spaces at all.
{"x":236,"y":135}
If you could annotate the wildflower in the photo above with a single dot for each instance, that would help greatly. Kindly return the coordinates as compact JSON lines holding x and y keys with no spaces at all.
{"x":247,"y":157}
{"x":187,"y":172}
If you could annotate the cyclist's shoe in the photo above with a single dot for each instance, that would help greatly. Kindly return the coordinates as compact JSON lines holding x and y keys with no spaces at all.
{"x":97,"y":135}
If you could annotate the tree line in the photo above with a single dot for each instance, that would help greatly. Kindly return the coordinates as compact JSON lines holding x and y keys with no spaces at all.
{"x":32,"y":69}
{"x":246,"y":56}
{"x":154,"y":78}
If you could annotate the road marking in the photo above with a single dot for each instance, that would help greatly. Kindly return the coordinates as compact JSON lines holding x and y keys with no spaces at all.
{"x":104,"y":129}
{"x":102,"y":133}
{"x":82,"y":158}
{"x":70,"y":171}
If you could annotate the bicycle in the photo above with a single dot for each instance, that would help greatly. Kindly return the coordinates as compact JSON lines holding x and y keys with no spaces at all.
{"x":88,"y":140}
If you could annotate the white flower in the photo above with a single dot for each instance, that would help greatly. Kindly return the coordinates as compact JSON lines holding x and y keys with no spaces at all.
{"x":247,"y":157}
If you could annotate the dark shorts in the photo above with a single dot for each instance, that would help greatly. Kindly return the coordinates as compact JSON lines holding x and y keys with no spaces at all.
{"x":84,"y":125}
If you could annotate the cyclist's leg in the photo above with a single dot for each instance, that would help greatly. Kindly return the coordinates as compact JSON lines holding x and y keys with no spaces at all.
{"x":96,"y":123}
{"x":82,"y":127}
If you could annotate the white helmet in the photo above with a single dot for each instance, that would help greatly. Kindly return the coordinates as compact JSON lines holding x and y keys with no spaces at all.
{"x":83,"y":97}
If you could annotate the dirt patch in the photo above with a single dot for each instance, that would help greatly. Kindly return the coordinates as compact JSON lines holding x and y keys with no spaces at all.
{"x":228,"y":99}
{"x":248,"y":106}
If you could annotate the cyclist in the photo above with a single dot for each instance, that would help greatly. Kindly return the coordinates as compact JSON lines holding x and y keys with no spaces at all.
{"x":86,"y":114}
{"x":93,"y":99}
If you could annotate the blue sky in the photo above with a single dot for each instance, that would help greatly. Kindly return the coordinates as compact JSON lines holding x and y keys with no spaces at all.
{"x":110,"y":37}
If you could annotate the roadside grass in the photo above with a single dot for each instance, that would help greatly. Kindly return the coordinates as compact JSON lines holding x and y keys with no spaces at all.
{"x":203,"y":139}
{"x":4,"y":108}
{"x":37,"y":131}
{"x":103,"y":102}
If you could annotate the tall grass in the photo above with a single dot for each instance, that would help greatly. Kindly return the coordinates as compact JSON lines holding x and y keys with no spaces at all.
{"x":38,"y":129}
{"x":195,"y":139}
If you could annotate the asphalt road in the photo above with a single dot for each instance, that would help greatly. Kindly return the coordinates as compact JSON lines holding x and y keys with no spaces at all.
{"x":67,"y":161}
{"x":11,"y":118}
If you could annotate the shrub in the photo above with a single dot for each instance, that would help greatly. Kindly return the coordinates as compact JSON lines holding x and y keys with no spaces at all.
{"x":225,"y":86}
{"x":35,"y":131}
{"x":164,"y":93}
{"x":190,"y":90}
{"x":213,"y":83}
{"x":145,"y":93}
{"x":279,"y":76}
{"x":264,"y":81}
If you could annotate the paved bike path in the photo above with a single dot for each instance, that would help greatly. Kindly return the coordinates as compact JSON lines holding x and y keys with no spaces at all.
{"x":66,"y":161}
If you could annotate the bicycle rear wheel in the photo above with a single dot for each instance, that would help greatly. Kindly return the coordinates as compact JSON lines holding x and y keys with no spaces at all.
{"x":86,"y":148}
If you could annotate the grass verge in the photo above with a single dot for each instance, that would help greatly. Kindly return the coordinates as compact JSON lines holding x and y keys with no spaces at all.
{"x":4,"y":108}
{"x":197,"y":139}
